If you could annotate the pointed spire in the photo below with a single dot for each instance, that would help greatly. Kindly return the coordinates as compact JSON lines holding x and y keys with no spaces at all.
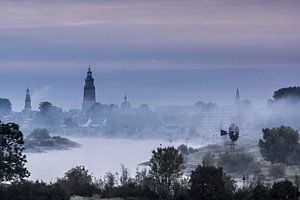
{"x":89,"y":72}
{"x":237,"y":97}
{"x":125,"y":97}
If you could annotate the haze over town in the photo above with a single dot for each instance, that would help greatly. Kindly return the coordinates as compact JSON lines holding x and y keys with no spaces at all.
{"x":150,"y":99}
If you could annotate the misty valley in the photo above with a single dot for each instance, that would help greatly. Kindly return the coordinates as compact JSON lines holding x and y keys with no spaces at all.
{"x":111,"y":142}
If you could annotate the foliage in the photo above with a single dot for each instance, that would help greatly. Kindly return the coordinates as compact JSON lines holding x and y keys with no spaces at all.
{"x":77,"y":181}
{"x":287,"y":92}
{"x":45,"y":106}
{"x":12,"y":159}
{"x":33,"y":191}
{"x":284,"y":190}
{"x":39,"y":134}
{"x":210,"y":183}
{"x":280,"y":145}
{"x":49,"y":116}
{"x":125,"y":177}
{"x":5,"y":106}
{"x":240,"y":163}
{"x":166,"y":167}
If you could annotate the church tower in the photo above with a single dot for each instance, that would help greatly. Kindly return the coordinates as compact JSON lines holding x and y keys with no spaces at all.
{"x":89,"y":94}
{"x":125,"y":106}
{"x":27,"y":107}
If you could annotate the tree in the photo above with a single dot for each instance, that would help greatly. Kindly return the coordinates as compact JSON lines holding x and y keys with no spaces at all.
{"x":12,"y":159}
{"x":124,"y":178}
{"x":166,"y":167}
{"x":39,"y":134}
{"x":5,"y":106}
{"x":284,"y":190}
{"x":287,"y":92}
{"x":78,"y":181}
{"x":45,"y":106}
{"x":49,"y":116}
{"x":210,"y":183}
{"x":280,"y":145}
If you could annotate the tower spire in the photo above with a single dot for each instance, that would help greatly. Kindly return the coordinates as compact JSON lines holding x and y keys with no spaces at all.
{"x":237,"y":97}
{"x":89,"y":96}
{"x":27,"y":107}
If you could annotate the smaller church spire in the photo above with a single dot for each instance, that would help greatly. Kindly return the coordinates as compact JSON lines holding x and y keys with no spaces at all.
{"x":125,"y":97}
{"x":237,"y":97}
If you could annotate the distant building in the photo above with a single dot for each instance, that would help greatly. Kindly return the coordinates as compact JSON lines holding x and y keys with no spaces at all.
{"x":125,"y":106}
{"x":27,"y":107}
{"x":89,"y":96}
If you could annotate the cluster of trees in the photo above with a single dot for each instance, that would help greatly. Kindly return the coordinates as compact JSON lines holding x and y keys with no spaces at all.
{"x":287,"y":93}
{"x":40,"y":139}
{"x":280,"y":145}
{"x":49,"y":116}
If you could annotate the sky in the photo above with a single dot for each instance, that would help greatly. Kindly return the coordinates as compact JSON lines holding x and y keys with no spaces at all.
{"x":179,"y":50}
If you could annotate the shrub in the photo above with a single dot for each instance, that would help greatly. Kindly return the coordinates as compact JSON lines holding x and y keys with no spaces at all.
{"x":240,"y":163}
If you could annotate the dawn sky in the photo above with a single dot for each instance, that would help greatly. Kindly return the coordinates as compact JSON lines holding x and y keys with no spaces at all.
{"x":45,"y":40}
{"x":150,"y":34}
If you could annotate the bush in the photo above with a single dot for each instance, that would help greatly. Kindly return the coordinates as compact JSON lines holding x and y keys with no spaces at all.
{"x":240,"y":163}
{"x":210,"y":183}
{"x":77,"y":181}
{"x":39,"y":134}
{"x":33,"y":191}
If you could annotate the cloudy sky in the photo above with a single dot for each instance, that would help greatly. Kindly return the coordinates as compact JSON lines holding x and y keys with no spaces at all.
{"x":50,"y":38}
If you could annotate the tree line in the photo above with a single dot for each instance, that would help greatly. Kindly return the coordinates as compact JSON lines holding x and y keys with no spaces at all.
{"x":163,"y":179}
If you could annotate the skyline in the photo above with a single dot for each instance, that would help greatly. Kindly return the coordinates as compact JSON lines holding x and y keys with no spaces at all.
{"x":155,"y":88}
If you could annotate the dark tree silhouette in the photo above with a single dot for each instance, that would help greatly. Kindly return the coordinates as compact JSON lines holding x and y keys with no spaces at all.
{"x":39,"y":134}
{"x":45,"y":107}
{"x":287,"y":92}
{"x":77,"y":181}
{"x":50,"y":116}
{"x":210,"y":183}
{"x":280,"y":145}
{"x":284,"y":190}
{"x":12,"y":159}
{"x":166,"y":167}
{"x":5,"y":106}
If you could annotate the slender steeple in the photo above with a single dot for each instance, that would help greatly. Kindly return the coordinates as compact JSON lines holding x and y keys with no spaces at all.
{"x":125,"y":106}
{"x":237,"y":97}
{"x":27,"y":107}
{"x":89,"y":94}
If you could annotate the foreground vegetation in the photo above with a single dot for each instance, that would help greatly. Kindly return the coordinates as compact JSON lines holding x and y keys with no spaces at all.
{"x":162,"y":179}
